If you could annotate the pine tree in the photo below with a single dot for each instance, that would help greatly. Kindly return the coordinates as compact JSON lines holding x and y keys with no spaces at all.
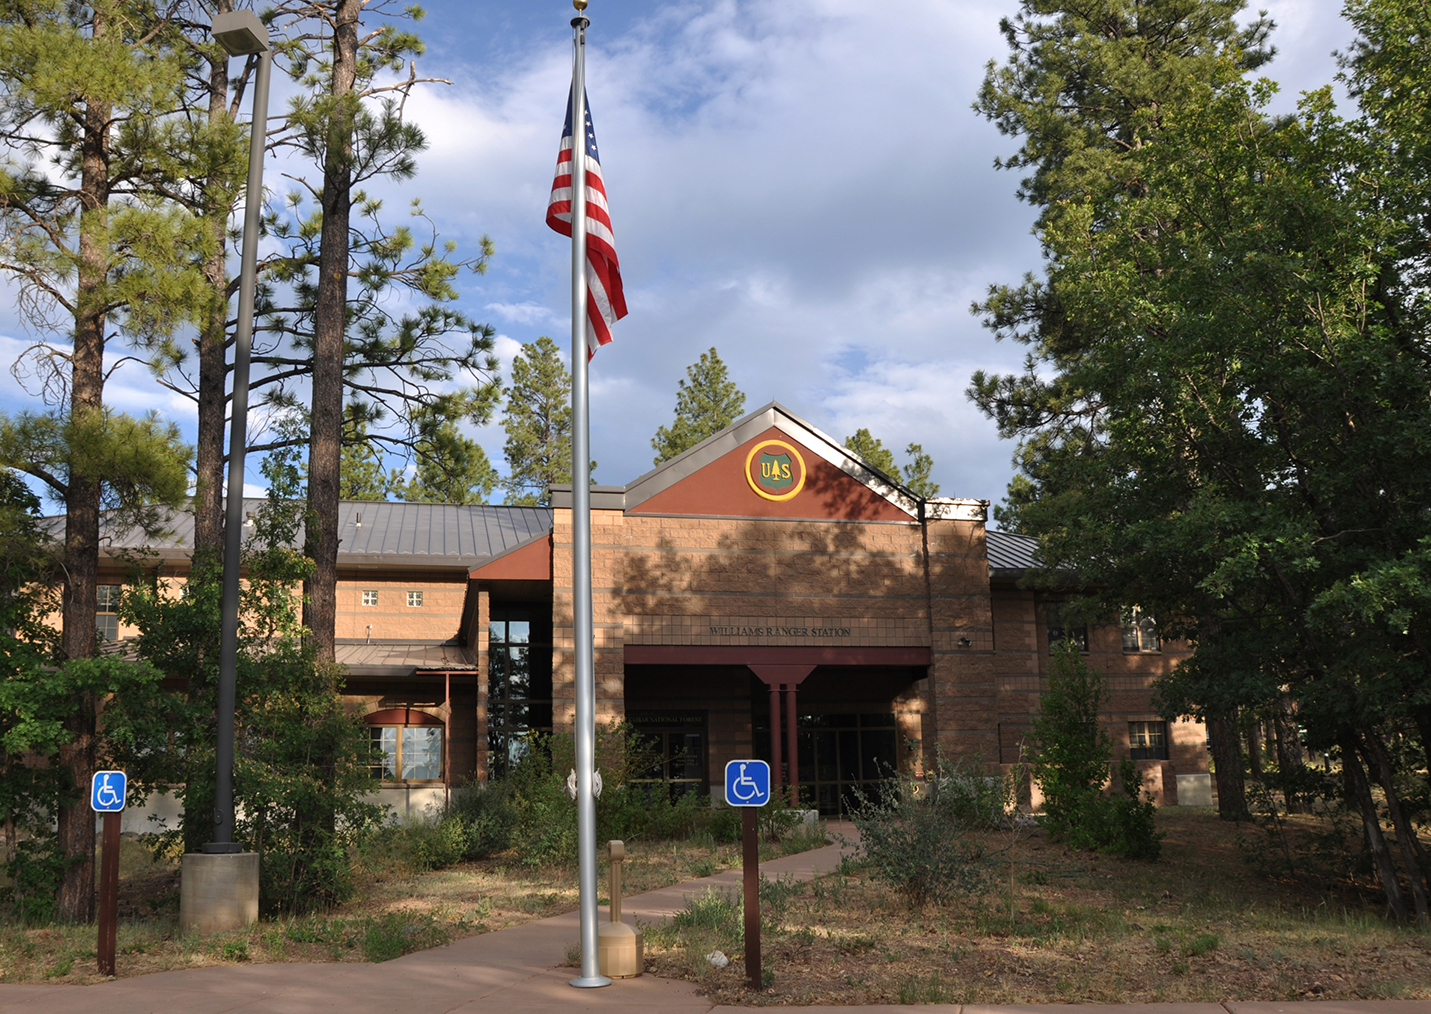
{"x":538,"y":424}
{"x":450,"y":468}
{"x":90,"y":241}
{"x":916,"y":473}
{"x":875,"y":453}
{"x":335,"y":311}
{"x":707,"y":401}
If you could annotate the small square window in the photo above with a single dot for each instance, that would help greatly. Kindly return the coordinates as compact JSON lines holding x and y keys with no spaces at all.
{"x":370,"y":598}
{"x":1148,"y":740}
{"x":1060,"y":630}
{"x":1140,"y":631}
{"x":414,"y":599}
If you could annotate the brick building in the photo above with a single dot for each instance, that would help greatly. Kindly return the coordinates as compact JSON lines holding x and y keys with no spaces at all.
{"x":765,"y":573}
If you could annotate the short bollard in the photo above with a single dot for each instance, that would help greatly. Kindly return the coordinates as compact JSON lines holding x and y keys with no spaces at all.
{"x":619,"y":951}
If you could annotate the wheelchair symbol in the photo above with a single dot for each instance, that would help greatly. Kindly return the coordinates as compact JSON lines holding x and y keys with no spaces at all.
{"x":741,"y":789}
{"x":107,"y":791}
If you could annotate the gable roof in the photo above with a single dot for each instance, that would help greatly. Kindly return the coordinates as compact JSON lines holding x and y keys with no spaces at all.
{"x":742,"y":431}
{"x":887,"y":498}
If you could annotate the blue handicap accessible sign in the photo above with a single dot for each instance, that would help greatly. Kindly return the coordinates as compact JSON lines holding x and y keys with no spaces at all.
{"x":106,"y":791}
{"x":747,"y":783}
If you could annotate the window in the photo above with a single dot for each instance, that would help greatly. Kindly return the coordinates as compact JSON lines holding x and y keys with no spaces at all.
{"x":519,"y":685}
{"x":106,"y":613}
{"x":1140,"y":631}
{"x":406,"y":753}
{"x":675,"y":746}
{"x":370,"y":598}
{"x":414,"y":599}
{"x":1060,"y":630}
{"x":1148,"y":740}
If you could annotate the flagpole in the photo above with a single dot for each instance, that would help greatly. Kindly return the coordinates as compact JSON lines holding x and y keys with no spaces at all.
{"x":581,"y":524}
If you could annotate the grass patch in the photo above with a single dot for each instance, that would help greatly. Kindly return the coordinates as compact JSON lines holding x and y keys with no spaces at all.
{"x":1199,"y":925}
{"x":399,"y":908}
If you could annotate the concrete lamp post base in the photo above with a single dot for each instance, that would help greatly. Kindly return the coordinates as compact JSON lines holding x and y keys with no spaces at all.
{"x":218,"y":892}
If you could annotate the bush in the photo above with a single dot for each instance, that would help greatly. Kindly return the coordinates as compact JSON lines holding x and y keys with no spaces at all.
{"x":922,"y":847}
{"x":1073,"y":762}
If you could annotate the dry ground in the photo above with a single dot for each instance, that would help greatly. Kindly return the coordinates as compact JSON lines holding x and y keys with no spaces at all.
{"x":396,"y":911}
{"x":1065,"y":927}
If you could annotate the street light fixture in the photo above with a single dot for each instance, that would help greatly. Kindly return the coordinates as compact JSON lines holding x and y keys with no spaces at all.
{"x":241,"y":33}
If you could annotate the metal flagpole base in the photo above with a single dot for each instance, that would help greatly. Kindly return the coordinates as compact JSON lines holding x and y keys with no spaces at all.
{"x":590,"y":981}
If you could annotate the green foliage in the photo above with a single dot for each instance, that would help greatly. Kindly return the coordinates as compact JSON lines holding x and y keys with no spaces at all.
{"x":922,"y":846}
{"x":537,"y":424}
{"x":707,"y":401}
{"x":1224,"y":409}
{"x":300,"y":767}
{"x":451,"y":468}
{"x":1073,"y":764}
{"x":873,"y":451}
{"x":915,"y":475}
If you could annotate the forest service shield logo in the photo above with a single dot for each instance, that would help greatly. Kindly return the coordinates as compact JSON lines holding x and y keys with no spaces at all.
{"x":775,"y":470}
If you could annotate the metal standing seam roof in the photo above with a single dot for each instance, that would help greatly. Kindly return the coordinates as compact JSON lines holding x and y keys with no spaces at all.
{"x":377,"y":532}
{"x":452,"y":535}
{"x":1010,"y":554}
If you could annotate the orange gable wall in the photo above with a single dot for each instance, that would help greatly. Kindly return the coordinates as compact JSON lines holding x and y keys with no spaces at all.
{"x":720,"y":490}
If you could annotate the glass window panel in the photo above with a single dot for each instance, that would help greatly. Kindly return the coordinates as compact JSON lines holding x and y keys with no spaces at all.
{"x":519,"y":631}
{"x":849,"y":741}
{"x":384,"y":746}
{"x":519,"y":673}
{"x":107,"y":624}
{"x":877,"y":721}
{"x":370,"y":598}
{"x":497,"y":631}
{"x":422,"y":753}
{"x":518,"y":715}
{"x":826,"y":756}
{"x":691,"y":757}
{"x":879,"y":755}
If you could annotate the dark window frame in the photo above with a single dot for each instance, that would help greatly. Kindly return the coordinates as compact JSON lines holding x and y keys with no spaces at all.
{"x":1148,"y":740}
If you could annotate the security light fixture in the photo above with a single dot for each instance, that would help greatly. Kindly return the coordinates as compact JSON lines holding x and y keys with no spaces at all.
{"x":240,"y":33}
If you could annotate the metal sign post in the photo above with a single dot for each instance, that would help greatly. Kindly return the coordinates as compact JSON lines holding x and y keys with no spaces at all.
{"x":747,"y":785}
{"x":106,"y":796}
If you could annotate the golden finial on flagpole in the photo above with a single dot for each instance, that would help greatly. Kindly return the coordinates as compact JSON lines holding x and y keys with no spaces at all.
{"x":580,"y":5}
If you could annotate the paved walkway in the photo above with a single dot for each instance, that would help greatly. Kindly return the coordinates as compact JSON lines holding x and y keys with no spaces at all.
{"x":513,"y":971}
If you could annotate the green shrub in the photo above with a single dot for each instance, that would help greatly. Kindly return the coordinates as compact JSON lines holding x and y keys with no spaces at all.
{"x":1072,"y":764}
{"x":35,"y":875}
{"x":723,"y":825}
{"x":921,"y":846}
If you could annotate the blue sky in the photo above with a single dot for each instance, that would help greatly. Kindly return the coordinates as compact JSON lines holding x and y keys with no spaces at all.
{"x":800,"y":183}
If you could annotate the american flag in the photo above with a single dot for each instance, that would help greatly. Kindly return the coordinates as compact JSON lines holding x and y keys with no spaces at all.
{"x":605,"y":303}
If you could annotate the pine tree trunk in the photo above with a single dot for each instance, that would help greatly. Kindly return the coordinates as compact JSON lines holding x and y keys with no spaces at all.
{"x":1254,"y":750}
{"x":329,"y":325}
{"x":1226,"y":758}
{"x":1371,"y":822}
{"x":82,"y":501}
{"x":1411,"y":852}
{"x":1290,"y":757}
{"x":213,"y":357}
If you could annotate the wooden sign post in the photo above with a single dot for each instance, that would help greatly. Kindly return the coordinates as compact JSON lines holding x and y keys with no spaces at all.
{"x":747,"y":785}
{"x":106,"y":796}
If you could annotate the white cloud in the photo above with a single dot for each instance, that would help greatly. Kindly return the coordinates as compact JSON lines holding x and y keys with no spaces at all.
{"x":799,"y":183}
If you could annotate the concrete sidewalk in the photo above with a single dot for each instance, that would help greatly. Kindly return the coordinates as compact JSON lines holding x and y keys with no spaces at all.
{"x":513,"y":971}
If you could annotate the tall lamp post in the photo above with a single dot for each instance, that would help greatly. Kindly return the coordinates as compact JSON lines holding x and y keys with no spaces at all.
{"x":219,"y":889}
